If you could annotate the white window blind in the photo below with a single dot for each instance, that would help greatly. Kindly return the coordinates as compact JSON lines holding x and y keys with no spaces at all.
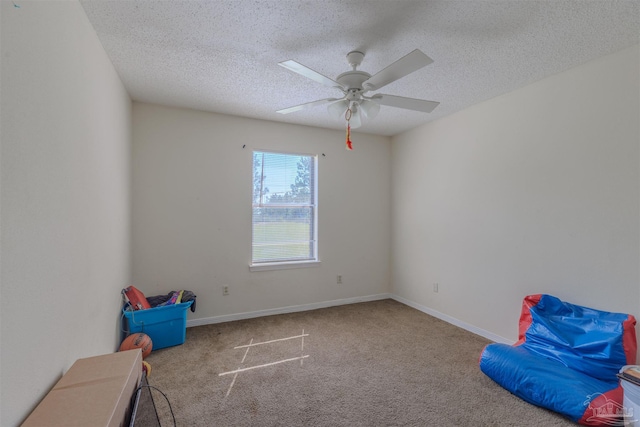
{"x":284,"y":208}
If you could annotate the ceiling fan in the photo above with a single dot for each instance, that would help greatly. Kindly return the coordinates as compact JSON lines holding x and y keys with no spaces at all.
{"x":355,"y":84}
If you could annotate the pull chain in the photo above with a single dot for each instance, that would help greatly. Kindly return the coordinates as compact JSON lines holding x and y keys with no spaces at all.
{"x":347,"y":116}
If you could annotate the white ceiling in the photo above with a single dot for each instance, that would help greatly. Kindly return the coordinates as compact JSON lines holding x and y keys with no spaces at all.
{"x":221,"y":55}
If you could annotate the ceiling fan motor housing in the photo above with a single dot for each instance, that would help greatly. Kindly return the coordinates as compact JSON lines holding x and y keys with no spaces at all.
{"x":352,"y":79}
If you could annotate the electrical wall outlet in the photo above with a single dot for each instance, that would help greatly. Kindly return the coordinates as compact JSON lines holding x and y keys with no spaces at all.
{"x":435,"y":287}
{"x":225,"y":290}
{"x":339,"y":279}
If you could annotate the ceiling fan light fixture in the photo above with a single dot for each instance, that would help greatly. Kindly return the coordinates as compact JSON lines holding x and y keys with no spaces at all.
{"x":356,"y":118}
{"x":337,"y":109}
{"x":370,"y":109}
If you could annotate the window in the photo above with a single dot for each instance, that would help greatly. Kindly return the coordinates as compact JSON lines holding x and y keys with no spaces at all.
{"x":284,"y":210}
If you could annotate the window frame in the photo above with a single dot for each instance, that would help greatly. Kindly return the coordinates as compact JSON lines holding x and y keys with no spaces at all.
{"x":288,"y":263}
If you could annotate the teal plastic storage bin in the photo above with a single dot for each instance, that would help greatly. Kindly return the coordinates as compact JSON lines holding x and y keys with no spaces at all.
{"x":166,"y":325}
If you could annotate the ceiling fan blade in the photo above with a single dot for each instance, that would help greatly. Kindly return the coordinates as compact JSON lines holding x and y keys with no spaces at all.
{"x":306,"y":105}
{"x":408,"y":103}
{"x":402,"y":67}
{"x":307,"y":72}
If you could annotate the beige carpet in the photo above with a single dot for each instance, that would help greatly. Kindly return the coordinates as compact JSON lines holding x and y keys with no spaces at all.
{"x":378,"y":363}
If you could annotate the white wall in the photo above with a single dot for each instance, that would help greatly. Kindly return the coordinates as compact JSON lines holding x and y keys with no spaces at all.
{"x":536,"y":191}
{"x":65,"y":201}
{"x":192,"y":183}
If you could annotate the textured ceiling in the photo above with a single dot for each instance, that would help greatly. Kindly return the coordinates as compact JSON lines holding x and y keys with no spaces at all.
{"x":222,"y":55}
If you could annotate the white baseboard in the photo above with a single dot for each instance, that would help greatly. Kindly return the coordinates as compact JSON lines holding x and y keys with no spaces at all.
{"x":456,"y":322}
{"x":283,"y":310}
{"x":313,"y":306}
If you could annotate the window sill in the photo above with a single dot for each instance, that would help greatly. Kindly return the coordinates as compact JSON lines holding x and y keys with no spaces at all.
{"x":283,"y":265}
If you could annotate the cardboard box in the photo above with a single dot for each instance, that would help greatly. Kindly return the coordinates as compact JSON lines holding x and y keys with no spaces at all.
{"x":94,"y":392}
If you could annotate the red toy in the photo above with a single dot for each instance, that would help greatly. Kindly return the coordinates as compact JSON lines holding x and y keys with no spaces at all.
{"x":136,"y":298}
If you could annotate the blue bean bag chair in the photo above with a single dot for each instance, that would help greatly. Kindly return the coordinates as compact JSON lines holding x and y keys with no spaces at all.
{"x":566,"y":360}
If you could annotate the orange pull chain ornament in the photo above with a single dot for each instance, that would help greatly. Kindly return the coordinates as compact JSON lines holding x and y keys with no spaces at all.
{"x":347,"y":115}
